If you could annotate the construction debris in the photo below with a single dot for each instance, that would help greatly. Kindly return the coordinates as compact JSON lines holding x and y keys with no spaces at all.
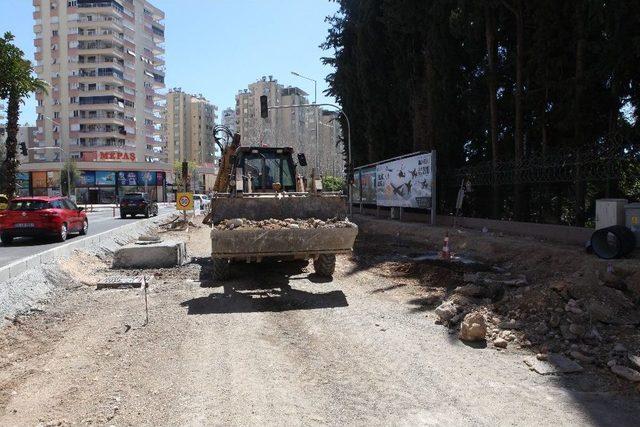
{"x":473,"y":327}
{"x":275,"y":224}
{"x":121,"y":282}
{"x":154,"y":255}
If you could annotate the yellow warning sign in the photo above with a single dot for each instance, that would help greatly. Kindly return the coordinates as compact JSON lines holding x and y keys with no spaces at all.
{"x":184,"y":201}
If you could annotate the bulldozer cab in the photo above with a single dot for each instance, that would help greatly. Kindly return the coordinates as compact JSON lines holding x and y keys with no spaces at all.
{"x":266,"y":166}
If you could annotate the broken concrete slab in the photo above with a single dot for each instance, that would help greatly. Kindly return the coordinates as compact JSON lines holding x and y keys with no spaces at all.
{"x":485,"y":278}
{"x":165,"y":254}
{"x":121,"y":282}
{"x":626,"y":373}
{"x":555,"y":364}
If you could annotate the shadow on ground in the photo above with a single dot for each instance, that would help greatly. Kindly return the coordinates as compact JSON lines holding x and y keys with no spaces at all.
{"x":264,"y":287}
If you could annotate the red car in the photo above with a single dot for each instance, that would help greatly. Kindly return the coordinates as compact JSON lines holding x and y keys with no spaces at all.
{"x":42,"y":216}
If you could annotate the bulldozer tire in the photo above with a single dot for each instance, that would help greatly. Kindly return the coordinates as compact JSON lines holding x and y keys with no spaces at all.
{"x":325,"y":265}
{"x":221,"y":269}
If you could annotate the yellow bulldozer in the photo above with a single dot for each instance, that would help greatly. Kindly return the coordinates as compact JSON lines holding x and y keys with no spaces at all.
{"x":262,"y":184}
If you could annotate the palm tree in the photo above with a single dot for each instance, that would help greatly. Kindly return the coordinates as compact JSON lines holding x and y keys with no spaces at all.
{"x":16,"y":82}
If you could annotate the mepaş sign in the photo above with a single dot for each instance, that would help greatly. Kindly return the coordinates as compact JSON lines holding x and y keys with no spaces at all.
{"x":405,"y":182}
{"x":115,"y":156}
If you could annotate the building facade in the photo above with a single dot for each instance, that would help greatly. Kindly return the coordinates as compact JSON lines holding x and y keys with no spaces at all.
{"x":229,"y":119}
{"x":104,"y":63}
{"x":289,"y":127}
{"x":190,"y":120}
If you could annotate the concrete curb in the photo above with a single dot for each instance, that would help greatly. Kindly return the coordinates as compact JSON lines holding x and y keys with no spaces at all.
{"x":106,"y":239}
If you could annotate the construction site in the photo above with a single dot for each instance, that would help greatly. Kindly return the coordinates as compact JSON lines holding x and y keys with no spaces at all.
{"x":535,"y":331}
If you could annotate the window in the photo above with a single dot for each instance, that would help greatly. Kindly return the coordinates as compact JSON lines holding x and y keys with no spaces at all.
{"x":57,"y":204}
{"x":54,"y":33}
{"x":56,"y":115}
{"x":28,"y":205}
{"x":68,"y":204}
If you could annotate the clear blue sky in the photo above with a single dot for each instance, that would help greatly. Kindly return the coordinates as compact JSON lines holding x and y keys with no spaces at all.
{"x":216,"y":47}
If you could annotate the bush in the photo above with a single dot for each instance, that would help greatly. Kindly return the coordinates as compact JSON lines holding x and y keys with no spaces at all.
{"x":332,"y":183}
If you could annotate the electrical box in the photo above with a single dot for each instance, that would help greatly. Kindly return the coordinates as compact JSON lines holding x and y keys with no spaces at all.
{"x":632,"y":212}
{"x":610,"y":212}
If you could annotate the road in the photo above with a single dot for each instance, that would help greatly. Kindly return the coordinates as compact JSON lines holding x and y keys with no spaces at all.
{"x":99,"y":222}
{"x":286,"y":348}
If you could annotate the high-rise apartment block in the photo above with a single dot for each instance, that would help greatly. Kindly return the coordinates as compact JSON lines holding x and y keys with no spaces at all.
{"x":289,"y":127}
{"x":229,"y":119}
{"x":103,"y":60}
{"x":189,"y":123}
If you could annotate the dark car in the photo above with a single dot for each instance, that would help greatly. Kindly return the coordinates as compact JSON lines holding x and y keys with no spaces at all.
{"x":42,"y":216}
{"x":137,"y":204}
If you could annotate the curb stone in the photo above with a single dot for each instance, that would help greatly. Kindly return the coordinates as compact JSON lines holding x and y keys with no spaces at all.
{"x":108,"y":239}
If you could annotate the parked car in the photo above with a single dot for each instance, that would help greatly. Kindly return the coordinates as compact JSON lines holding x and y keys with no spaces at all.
{"x":42,"y":216}
{"x":137,"y":204}
{"x":204,"y":200}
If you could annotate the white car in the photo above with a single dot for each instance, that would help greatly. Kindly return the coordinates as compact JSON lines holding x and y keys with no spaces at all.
{"x":203,"y":200}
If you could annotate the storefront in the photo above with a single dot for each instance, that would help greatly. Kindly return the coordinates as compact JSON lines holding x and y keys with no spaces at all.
{"x":104,"y":187}
{"x":97,"y":182}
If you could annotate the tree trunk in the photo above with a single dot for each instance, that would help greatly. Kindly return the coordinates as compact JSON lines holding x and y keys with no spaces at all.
{"x":490,"y":36}
{"x":11,"y":163}
{"x":430,"y":84}
{"x":519,"y":119}
{"x":423,"y":129}
{"x":579,"y":142}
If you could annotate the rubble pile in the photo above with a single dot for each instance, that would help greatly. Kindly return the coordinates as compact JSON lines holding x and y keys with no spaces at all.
{"x":585,"y":317}
{"x":278,"y":224}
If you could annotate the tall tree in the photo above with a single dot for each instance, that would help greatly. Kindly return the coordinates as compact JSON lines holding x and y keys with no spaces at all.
{"x":16,"y":82}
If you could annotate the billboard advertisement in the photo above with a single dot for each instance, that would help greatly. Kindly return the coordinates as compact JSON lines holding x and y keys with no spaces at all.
{"x":128,"y":178}
{"x":355,"y":188}
{"x":368,"y":185}
{"x":146,"y":178}
{"x":86,"y":179}
{"x":405,"y":182}
{"x":39,"y":179}
{"x":106,"y":178}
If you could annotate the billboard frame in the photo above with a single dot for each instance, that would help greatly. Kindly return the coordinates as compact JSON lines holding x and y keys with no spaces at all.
{"x":434,"y":169}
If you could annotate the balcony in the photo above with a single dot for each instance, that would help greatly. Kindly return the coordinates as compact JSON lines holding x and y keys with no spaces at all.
{"x":107,"y":6}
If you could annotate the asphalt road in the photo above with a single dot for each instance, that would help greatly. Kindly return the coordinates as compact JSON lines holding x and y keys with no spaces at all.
{"x":98,"y":222}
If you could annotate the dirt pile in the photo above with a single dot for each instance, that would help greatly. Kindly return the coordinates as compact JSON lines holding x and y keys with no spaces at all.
{"x":533,"y":295}
{"x":277,"y":224}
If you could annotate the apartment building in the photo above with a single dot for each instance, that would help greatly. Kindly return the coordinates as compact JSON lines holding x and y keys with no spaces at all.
{"x":104,"y":62}
{"x":229,"y":118}
{"x":190,"y":120}
{"x":290,"y":127}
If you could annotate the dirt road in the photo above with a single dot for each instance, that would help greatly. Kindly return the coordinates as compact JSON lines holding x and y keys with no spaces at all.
{"x":285,"y":348}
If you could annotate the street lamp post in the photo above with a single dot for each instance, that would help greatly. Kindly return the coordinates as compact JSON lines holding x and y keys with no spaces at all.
{"x":315,"y":102}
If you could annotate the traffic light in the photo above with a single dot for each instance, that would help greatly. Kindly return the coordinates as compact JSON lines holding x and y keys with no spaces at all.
{"x":264,"y":108}
{"x":23,"y":148}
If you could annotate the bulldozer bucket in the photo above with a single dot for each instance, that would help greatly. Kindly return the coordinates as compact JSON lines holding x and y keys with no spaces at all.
{"x":263,"y":207}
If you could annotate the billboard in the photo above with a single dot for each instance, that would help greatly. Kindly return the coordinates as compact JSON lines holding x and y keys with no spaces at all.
{"x":146,"y":178}
{"x":86,"y":178}
{"x":39,"y":179}
{"x":105,"y":178}
{"x":355,"y":188}
{"x":405,"y":182}
{"x":368,"y":185}
{"x":128,"y":178}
